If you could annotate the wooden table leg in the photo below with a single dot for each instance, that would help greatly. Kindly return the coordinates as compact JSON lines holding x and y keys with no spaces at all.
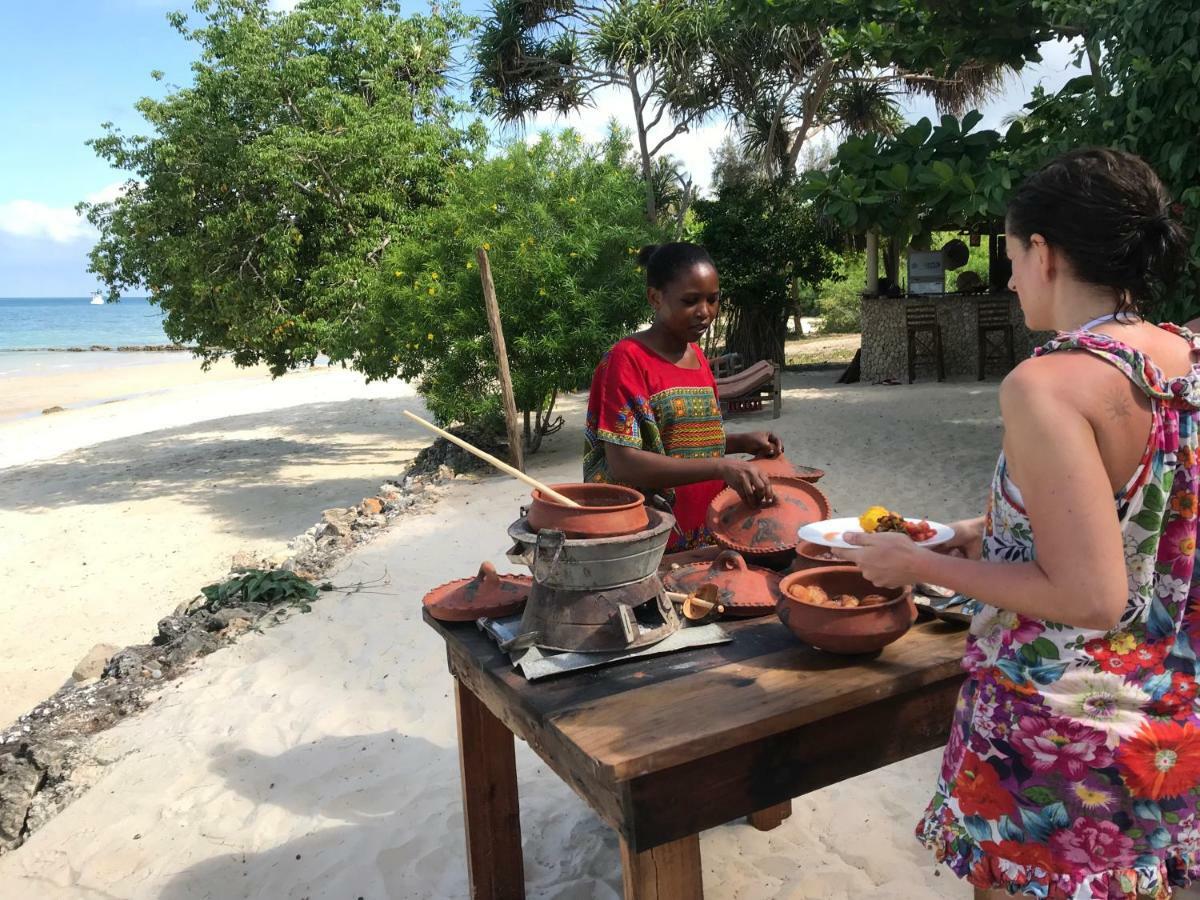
{"x":771,"y":817}
{"x":668,"y":872}
{"x":490,"y":809}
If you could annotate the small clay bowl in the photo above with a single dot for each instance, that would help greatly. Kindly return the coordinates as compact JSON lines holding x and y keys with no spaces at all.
{"x":860,"y":629}
{"x":605,"y":510}
{"x":816,"y":554}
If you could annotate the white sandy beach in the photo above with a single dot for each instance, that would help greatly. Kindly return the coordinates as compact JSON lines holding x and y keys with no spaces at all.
{"x":114,"y":513}
{"x":319,"y":759}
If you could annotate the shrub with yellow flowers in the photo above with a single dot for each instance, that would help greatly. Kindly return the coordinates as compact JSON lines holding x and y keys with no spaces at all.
{"x":556,"y":220}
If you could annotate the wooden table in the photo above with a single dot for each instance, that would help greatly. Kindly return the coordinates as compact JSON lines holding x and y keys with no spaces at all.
{"x":665,"y":747}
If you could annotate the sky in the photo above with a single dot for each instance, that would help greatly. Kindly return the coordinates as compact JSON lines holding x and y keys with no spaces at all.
{"x":66,"y":66}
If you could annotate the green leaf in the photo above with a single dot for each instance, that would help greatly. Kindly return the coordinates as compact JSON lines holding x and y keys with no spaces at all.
{"x":1045,"y":648}
{"x":1039,"y":796}
{"x":1148,"y":519}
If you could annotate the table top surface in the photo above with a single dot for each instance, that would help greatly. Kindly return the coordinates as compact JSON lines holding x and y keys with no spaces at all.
{"x":641,"y":716}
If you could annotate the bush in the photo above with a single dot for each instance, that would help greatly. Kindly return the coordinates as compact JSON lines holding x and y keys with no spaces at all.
{"x":561,"y":222}
{"x":764,"y":239}
{"x":839,"y":298}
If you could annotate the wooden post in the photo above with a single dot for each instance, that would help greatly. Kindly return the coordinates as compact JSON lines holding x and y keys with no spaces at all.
{"x":872,"y":263}
{"x":493,"y":314}
{"x":771,"y":817}
{"x":668,"y":872}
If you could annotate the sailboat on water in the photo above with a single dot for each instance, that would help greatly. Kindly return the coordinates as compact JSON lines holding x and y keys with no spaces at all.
{"x":97,"y":298}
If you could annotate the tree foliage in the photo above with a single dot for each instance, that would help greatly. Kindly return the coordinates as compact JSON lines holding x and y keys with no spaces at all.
{"x":307,"y":144}
{"x":925,"y":178}
{"x":561,"y":222}
{"x":1141,"y":93}
{"x":532,"y":56}
{"x":787,"y":69}
{"x":766,"y":241}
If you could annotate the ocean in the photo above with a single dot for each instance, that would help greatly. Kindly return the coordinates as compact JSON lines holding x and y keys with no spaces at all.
{"x":65,"y":323}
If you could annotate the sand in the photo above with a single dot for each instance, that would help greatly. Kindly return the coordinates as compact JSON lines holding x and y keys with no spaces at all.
{"x":112,"y":514}
{"x":319,"y":758}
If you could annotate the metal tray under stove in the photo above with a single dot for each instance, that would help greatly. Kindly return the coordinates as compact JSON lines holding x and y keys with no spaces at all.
{"x":535,"y":663}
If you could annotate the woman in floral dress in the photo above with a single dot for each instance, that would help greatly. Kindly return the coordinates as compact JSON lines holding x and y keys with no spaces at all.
{"x":1073,"y":764}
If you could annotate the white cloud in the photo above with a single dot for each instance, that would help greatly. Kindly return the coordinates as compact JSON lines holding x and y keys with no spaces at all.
{"x":30,"y":219}
{"x":60,"y":224}
{"x":284,"y":5}
{"x":108,"y":193}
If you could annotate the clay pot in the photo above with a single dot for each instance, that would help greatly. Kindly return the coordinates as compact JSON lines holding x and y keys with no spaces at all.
{"x":606,"y":510}
{"x":861,"y":629}
{"x":742,"y":589}
{"x":767,"y":530}
{"x":487,"y":594}
{"x":781,"y":465}
{"x":811,"y":555}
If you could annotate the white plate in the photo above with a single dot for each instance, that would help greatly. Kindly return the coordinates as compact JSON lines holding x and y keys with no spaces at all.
{"x":829,"y":532}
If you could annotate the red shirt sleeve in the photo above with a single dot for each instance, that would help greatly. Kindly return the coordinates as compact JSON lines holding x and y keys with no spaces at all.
{"x":619,"y":400}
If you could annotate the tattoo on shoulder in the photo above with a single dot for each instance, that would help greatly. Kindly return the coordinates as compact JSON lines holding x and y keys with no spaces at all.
{"x":1118,"y":404}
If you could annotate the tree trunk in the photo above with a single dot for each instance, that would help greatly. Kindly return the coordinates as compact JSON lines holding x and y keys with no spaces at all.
{"x":643,"y":148}
{"x":757,"y":333}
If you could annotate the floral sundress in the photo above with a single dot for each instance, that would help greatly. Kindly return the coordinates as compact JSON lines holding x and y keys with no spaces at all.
{"x":1073,"y":764}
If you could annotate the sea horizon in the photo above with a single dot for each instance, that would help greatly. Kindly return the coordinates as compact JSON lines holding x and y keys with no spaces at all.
{"x":75,"y":324}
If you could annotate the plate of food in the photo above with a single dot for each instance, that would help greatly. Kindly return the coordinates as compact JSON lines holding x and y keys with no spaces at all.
{"x":876,"y":520}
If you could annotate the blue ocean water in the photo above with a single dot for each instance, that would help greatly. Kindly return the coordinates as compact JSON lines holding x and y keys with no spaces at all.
{"x":58,"y":323}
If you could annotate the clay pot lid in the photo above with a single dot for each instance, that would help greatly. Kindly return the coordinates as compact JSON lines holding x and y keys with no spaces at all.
{"x":487,"y":594}
{"x":781,"y":465}
{"x":743,"y":590}
{"x":768,"y":529}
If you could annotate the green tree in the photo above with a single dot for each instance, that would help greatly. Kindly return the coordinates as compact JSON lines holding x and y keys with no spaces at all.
{"x":561,"y":222}
{"x":767,"y":243}
{"x":307,"y":145}
{"x":788,"y":69}
{"x":532,"y":56}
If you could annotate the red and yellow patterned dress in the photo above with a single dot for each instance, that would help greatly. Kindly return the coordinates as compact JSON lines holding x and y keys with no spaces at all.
{"x":638,"y":399}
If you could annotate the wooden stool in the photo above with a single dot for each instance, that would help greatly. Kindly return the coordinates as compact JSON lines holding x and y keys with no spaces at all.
{"x":924,"y":339}
{"x":994,"y":331}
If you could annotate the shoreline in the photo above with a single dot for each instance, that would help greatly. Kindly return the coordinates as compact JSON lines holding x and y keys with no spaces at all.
{"x":105,"y":348}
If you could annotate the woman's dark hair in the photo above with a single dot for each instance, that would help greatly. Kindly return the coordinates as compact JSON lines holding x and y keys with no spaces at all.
{"x":665,"y":262}
{"x":1109,"y":214}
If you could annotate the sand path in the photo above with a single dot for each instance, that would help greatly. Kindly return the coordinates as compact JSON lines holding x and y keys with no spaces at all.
{"x":112,"y":515}
{"x":319,"y":759}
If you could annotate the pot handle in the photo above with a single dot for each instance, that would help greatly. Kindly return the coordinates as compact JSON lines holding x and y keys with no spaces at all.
{"x":487,"y":573}
{"x":519,"y":553}
{"x":729,"y":560}
{"x":549,"y":543}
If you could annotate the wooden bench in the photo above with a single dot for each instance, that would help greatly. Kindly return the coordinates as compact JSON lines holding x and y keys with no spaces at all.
{"x":745,"y":391}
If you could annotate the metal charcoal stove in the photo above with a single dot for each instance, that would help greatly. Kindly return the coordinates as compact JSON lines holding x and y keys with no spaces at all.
{"x":595,"y":595}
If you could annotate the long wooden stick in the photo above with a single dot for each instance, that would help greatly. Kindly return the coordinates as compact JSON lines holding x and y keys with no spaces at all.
{"x":506,"y":388}
{"x":499,"y":464}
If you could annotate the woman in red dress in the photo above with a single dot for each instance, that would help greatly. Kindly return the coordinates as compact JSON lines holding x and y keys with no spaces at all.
{"x":653,"y":420}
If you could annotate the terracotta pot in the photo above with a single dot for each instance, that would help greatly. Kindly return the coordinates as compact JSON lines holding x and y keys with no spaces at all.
{"x":742,"y":589}
{"x":781,"y":465}
{"x":812,"y":555}
{"x":862,"y":629}
{"x":767,"y":530}
{"x":487,"y":594}
{"x":606,"y":510}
